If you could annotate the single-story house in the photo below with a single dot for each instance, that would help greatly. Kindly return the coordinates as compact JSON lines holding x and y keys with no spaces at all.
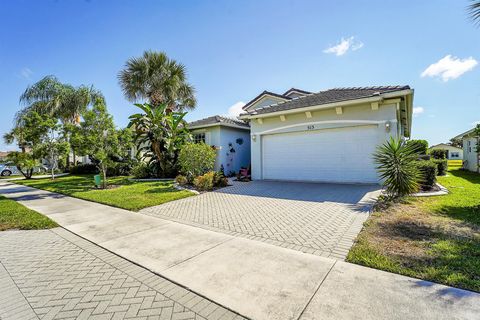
{"x":470,"y":154}
{"x":453,"y":153}
{"x":231,"y":138}
{"x":328,"y":136}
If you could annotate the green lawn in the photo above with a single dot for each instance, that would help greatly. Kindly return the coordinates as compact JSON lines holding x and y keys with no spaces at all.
{"x":435,"y":238}
{"x":126,"y":194}
{"x":13,"y":215}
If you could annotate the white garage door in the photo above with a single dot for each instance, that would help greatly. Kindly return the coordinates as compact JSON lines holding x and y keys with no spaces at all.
{"x":331,"y":155}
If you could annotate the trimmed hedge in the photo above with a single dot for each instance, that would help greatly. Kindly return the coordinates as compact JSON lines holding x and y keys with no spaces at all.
{"x":438,"y":153}
{"x":428,"y":174}
{"x":86,"y":168}
{"x":420,"y":146}
{"x":442,"y":166}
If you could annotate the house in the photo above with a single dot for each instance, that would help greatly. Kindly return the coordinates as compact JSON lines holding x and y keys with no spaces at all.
{"x":3,"y":155}
{"x":328,"y":136}
{"x":230,"y":137}
{"x":470,"y":154}
{"x":453,"y":153}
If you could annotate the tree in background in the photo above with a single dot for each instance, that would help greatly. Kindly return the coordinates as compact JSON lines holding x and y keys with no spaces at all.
{"x":474,"y":11}
{"x":456,"y":142}
{"x":159,"y":135}
{"x":155,"y":78}
{"x":38,"y":137}
{"x":99,"y":138}
{"x":63,"y":101}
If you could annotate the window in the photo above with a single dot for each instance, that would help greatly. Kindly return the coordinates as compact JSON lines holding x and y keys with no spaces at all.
{"x":199,"y":138}
{"x":455,"y":155}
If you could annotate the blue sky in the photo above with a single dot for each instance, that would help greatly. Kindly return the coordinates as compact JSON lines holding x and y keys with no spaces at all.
{"x":235,"y":49}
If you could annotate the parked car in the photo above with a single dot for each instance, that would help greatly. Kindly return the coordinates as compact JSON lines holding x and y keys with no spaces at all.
{"x":8,"y":170}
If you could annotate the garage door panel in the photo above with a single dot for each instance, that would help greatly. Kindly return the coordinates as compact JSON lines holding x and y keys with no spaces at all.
{"x":337,"y":155}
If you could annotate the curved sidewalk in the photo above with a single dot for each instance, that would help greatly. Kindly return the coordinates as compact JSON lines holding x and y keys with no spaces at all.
{"x":255,"y":279}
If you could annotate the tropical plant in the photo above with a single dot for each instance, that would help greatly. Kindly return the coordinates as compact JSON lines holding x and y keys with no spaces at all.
{"x":159,"y":135}
{"x":51,"y":97}
{"x":420,"y":146}
{"x":396,"y":165}
{"x":159,"y":80}
{"x":196,"y":159}
{"x":204,"y":182}
{"x":99,"y":138}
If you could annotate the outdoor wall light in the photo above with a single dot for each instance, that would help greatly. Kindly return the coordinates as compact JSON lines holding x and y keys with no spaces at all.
{"x":254,"y":137}
{"x":387,"y":126}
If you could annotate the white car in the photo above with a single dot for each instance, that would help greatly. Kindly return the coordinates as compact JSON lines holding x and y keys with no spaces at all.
{"x":8,"y":170}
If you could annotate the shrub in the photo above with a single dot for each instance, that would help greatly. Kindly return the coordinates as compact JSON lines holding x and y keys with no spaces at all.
{"x":196,"y":159}
{"x":396,"y":165}
{"x":120,"y":169}
{"x":419,"y":146}
{"x":204,"y":182}
{"x":84,"y":168}
{"x":219,"y":180}
{"x":442,"y":166}
{"x":181,"y":180}
{"x":438,"y":153}
{"x":141,"y":171}
{"x":428,"y":174}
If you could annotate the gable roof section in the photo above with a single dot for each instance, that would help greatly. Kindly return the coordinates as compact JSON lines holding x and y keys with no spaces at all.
{"x":218,"y":120}
{"x":295,"y":90}
{"x":466,"y":134}
{"x":263,"y":94}
{"x":328,"y":96}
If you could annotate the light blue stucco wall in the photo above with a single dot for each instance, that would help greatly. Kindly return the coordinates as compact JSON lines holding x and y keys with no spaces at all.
{"x":299,"y":122}
{"x":221,"y":137}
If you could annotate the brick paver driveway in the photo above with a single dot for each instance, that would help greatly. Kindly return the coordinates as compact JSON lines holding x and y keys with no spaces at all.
{"x":322,"y":219}
{"x":54,"y":274}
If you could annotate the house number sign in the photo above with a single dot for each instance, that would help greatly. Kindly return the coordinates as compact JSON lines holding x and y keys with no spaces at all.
{"x":311,"y":127}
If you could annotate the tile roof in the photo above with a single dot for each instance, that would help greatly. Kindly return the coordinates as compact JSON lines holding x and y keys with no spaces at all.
{"x":218,"y":120}
{"x":328,"y":96}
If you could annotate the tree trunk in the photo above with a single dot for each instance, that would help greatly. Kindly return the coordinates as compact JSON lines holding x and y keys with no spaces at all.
{"x":104,"y":171}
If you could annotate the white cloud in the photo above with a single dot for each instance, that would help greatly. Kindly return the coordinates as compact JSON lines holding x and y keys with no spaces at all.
{"x":449,"y":67}
{"x":25,"y":73}
{"x":236,"y":109}
{"x":344,"y":45}
{"x":417,"y":111}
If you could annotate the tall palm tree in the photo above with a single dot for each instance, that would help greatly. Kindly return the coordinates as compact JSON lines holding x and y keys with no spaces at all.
{"x":474,"y":11}
{"x":63,"y":101}
{"x":159,"y":80}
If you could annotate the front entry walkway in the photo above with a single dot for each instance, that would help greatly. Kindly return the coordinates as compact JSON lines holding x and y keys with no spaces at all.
{"x":255,"y":279}
{"x":321,"y":219}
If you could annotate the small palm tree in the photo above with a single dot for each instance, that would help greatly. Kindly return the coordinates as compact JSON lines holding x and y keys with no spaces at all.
{"x":159,"y":80}
{"x":396,"y":165}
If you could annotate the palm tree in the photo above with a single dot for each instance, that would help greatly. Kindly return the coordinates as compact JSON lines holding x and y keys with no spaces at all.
{"x":474,"y":11}
{"x":158,"y":79}
{"x":63,"y":101}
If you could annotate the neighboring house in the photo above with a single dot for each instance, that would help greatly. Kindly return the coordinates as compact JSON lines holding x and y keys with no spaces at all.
{"x":230,"y":137}
{"x":470,"y":154}
{"x":3,"y":155}
{"x":453,"y":153}
{"x":328,"y":136}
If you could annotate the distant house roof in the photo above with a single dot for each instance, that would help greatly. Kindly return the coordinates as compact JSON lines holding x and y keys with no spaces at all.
{"x":218,"y":120}
{"x":465,"y":134}
{"x":326,"y":97}
{"x":3,"y":154}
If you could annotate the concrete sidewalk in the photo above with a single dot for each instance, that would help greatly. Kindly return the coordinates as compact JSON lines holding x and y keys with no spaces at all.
{"x":255,"y":279}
